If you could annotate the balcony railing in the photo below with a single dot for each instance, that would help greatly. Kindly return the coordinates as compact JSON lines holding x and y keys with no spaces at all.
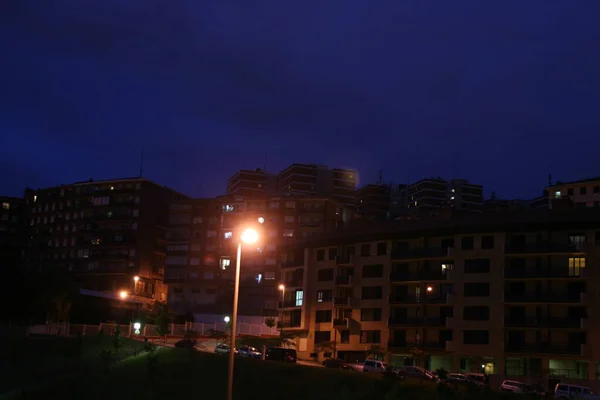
{"x":543,"y":348}
{"x":544,"y":297}
{"x":343,"y":259}
{"x":340,"y":322}
{"x":421,"y":299}
{"x":295,"y":283}
{"x":416,"y":253}
{"x":424,"y":275}
{"x":343,"y":280}
{"x":343,"y":301}
{"x":540,"y":248}
{"x":425,"y":345}
{"x":288,"y":304}
{"x":545,"y":322}
{"x":416,"y":321}
{"x":512,"y":273}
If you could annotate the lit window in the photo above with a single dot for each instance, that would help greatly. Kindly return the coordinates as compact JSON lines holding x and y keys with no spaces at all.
{"x":225,"y":262}
{"x":228,"y":235}
{"x":112,"y":188}
{"x":446,"y":267}
{"x":6,"y":206}
{"x":34,"y":198}
{"x":96,"y":241}
{"x":270,"y":261}
{"x":452,"y":198}
{"x":288,"y":218}
{"x":576,"y":265}
{"x":197,"y":220}
{"x":288,"y":233}
{"x":557,"y":194}
{"x":269,"y":276}
{"x":228,"y":208}
{"x":259,"y":278}
{"x":299,"y":297}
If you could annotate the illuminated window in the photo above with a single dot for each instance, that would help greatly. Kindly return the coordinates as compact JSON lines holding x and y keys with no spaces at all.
{"x":225,"y":262}
{"x":576,"y":265}
{"x":557,"y":194}
{"x":228,"y":235}
{"x":228,"y":208}
{"x":299,"y":297}
{"x":6,"y":206}
{"x":34,"y":198}
{"x":288,"y":233}
{"x":96,"y":241}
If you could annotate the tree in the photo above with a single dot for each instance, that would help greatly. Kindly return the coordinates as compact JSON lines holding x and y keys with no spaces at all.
{"x":328,"y":348}
{"x":270,"y":322}
{"x":419,"y":355}
{"x":376,"y":351}
{"x":161,"y":317}
{"x":117,"y":340}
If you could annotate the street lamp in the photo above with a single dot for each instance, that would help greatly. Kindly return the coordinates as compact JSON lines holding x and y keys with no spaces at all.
{"x":226,"y":319}
{"x":282,"y":288}
{"x":123,"y":294}
{"x":249,"y":236}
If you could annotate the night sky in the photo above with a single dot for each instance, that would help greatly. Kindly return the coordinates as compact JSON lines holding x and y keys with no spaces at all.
{"x":500,"y":92}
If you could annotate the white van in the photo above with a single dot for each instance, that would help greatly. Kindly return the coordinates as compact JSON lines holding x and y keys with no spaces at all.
{"x":374,"y":366}
{"x":564,"y":391}
{"x":514,"y":387}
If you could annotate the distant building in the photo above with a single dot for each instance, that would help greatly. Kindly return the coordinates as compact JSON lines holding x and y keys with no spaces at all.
{"x":12,"y":231}
{"x":374,"y":201}
{"x":104,"y":232}
{"x":252,"y":183}
{"x":318,"y":180}
{"x":583,"y":193}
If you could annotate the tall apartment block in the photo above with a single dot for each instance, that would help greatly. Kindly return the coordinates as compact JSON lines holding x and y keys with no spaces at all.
{"x":12,"y":231}
{"x":202,"y":248}
{"x":502,"y":293}
{"x":581,"y":194}
{"x":374,"y":201}
{"x":104,"y":232}
{"x":318,"y":180}
{"x":252,"y":183}
{"x":439,"y":193}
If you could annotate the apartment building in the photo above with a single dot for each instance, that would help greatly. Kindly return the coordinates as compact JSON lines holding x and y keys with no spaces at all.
{"x":104,"y":232}
{"x":12,"y":231}
{"x":582,"y":193}
{"x":374,"y":201}
{"x":252,"y":183}
{"x":319,"y":180}
{"x":201,"y":250}
{"x":502,"y":293}
{"x":439,"y":193}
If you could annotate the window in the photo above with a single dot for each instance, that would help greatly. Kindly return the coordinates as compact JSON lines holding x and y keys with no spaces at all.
{"x":228,"y":208}
{"x":345,"y":337}
{"x":289,"y":204}
{"x":447,"y":243}
{"x":468,"y":243}
{"x":274,"y":204}
{"x":332,"y":253}
{"x":288,"y":233}
{"x":323,"y":296}
{"x":270,"y":275}
{"x":370,"y":314}
{"x":321,"y":255}
{"x":6,"y":206}
{"x":487,"y":242}
{"x":136,"y":213}
{"x":372,"y":271}
{"x":370,"y":337}
{"x":577,"y":241}
{"x":224,"y":263}
{"x":476,"y":337}
{"x":477,"y":266}
{"x":322,"y":336}
{"x":596,"y":189}
{"x":570,"y":191}
{"x":197,"y":220}
{"x":476,"y":289}
{"x":382,"y":249}
{"x":476,"y":313}
{"x":365,"y":250}
{"x":557,"y":194}
{"x":583,"y":190}
{"x":447,"y":267}
{"x":576,"y":265}
{"x":194,"y":261}
{"x":299,"y":298}
{"x":209,"y":275}
{"x":325,"y":275}
{"x":323,"y":316}
{"x":371,"y":292}
{"x":101,"y":201}
{"x":211,"y":234}
{"x":228,"y":235}
{"x":288,"y":218}
{"x":117,"y":238}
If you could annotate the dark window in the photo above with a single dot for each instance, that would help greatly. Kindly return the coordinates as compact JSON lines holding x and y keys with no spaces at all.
{"x":322,"y":336}
{"x":597,"y":237}
{"x":372,"y":271}
{"x":476,"y":337}
{"x":582,"y":190}
{"x":477,"y":266}
{"x":467,"y":243}
{"x":570,"y":191}
{"x":596,"y":189}
{"x":476,"y":289}
{"x":447,"y":243}
{"x":370,"y":314}
{"x":323,"y":316}
{"x":349,"y":250}
{"x":332,"y":253}
{"x":487,"y":242}
{"x":382,"y":249}
{"x":371,"y":292}
{"x":325,"y":275}
{"x":365,"y":250}
{"x":321,"y":255}
{"x":370,"y":336}
{"x":345,"y":337}
{"x":323,"y":295}
{"x":476,"y":313}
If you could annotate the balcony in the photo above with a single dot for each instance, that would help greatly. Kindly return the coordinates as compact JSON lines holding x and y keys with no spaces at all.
{"x":544,"y":348}
{"x":416,"y":321}
{"x":541,"y":248}
{"x":294,"y":283}
{"x":543,"y":273}
{"x":345,"y":302}
{"x":288,"y":304}
{"x":340,"y":323}
{"x":291,"y":264}
{"x":416,"y":276}
{"x":419,"y":253}
{"x":421,"y":299}
{"x":544,"y":297}
{"x":344,"y":259}
{"x":344,"y":280}
{"x":545,"y":322}
{"x":422,"y":345}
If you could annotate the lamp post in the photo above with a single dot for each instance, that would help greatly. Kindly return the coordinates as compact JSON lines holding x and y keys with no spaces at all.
{"x":282,"y":288}
{"x":248,"y":236}
{"x":135,"y":283}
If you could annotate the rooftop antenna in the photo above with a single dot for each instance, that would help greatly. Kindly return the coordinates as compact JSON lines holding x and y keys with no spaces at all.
{"x":142,"y":163}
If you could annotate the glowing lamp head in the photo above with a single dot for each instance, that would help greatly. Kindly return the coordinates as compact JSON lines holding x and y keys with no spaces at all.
{"x":123,"y":294}
{"x":429,"y":288}
{"x":261,"y":220}
{"x":249,"y":236}
{"x":226,"y":319}
{"x":282,"y":287}
{"x":136,"y":278}
{"x":137,"y":326}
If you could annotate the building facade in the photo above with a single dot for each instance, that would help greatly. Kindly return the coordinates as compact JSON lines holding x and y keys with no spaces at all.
{"x":104,"y":232}
{"x":201,"y":250}
{"x":583,"y":193}
{"x":12,"y":231}
{"x":374,"y":201}
{"x":509,"y":294}
{"x":252,"y":183}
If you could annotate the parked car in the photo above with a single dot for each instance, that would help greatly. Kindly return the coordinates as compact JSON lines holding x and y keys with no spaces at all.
{"x":224,"y":349}
{"x":337,"y":363}
{"x":456,"y":378}
{"x":281,"y":354}
{"x":417,"y":372}
{"x":247,"y":351}
{"x":187,"y":343}
{"x":374,"y":366}
{"x":514,"y":387}
{"x":564,"y":391}
{"x":476,"y":379}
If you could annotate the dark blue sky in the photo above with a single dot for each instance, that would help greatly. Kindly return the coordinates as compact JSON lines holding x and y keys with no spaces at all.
{"x":500,"y":92}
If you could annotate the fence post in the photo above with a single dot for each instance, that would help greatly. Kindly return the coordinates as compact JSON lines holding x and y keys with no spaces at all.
{"x":130,"y":330}
{"x":172,"y":328}
{"x":144,"y":331}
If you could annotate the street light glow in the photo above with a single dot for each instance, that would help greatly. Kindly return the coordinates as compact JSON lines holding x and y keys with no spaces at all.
{"x":136,"y":278}
{"x":123,"y":294}
{"x":249,"y":236}
{"x":282,"y":287}
{"x":226,"y":319}
{"x":261,"y":220}
{"x":429,"y":288}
